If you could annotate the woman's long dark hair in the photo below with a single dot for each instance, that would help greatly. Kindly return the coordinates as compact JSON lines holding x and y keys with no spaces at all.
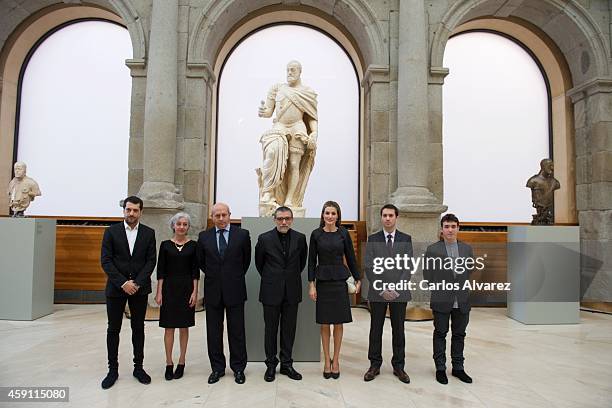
{"x":337,"y":207}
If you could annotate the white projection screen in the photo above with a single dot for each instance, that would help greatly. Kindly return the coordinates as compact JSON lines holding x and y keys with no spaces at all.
{"x":74,"y":120}
{"x":496,"y":127}
{"x":257,"y":63}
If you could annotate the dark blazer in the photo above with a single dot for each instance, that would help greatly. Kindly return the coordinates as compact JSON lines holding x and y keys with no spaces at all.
{"x":442,"y":300}
{"x":120,"y":266}
{"x":224,"y":283}
{"x":376,"y":247}
{"x":278,"y":271}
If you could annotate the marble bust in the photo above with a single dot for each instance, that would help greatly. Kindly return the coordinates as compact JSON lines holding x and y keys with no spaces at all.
{"x":21,"y":190}
{"x":543,"y":186}
{"x":289,"y":147}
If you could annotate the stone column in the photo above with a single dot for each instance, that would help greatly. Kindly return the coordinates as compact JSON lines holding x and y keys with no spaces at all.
{"x":420,"y":209}
{"x":158,"y":188}
{"x":593,"y":121}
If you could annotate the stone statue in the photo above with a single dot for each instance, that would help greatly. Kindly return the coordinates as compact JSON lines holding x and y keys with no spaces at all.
{"x":21,"y":190}
{"x":289,"y":147}
{"x":543,"y":186}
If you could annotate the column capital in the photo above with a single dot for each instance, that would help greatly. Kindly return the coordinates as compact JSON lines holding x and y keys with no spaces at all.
{"x":375,"y":73}
{"x":437,"y":75}
{"x":594,"y":86}
{"x":201,"y":69}
{"x":137,"y":66}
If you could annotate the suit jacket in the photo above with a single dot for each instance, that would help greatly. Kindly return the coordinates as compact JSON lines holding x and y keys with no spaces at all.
{"x":375,"y":248}
{"x":442,"y":300}
{"x":120,"y":266}
{"x":279,"y":272}
{"x":224,"y":283}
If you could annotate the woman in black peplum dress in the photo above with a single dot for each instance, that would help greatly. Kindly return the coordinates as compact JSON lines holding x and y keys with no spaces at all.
{"x":330,"y":245}
{"x":177,"y":290}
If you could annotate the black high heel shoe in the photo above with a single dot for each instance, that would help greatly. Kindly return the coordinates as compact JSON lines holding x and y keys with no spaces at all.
{"x":169,"y":374}
{"x":327,"y":374}
{"x":335,"y":376}
{"x":180,"y":368}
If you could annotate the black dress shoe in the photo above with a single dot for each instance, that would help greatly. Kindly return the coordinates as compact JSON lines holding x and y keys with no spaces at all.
{"x":169,"y":374}
{"x":110,"y":379}
{"x":460,"y":374}
{"x":371,"y":373}
{"x":290,"y":372}
{"x":401,"y":374}
{"x":239,"y":377}
{"x":270,"y":374}
{"x":141,"y":375}
{"x":441,"y":377}
{"x":214,"y":376}
{"x":180,"y":369}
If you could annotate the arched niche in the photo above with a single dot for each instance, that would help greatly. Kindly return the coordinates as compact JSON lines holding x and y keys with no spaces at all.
{"x":559,"y":79}
{"x":570,"y":47}
{"x":206,"y":63}
{"x":15,"y":53}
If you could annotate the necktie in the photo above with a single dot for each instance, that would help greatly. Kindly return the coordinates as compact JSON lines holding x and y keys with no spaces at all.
{"x":222,"y":242}
{"x":389,"y":242}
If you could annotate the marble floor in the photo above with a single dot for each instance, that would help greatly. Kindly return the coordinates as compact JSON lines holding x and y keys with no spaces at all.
{"x":513,"y":365}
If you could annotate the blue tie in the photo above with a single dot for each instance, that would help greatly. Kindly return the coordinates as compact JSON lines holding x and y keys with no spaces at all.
{"x":222,"y":242}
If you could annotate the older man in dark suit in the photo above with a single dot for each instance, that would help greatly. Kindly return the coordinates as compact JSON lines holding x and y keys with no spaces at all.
{"x":224,"y":255}
{"x":449,"y":303}
{"x":387,"y":243}
{"x":128,"y":258}
{"x":280,"y":258}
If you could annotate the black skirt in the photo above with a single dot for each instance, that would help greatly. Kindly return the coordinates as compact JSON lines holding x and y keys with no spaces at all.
{"x":333,"y":304}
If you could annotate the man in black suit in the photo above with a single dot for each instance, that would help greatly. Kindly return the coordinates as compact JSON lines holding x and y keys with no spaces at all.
{"x":387,"y":243}
{"x":450,"y":303}
{"x":128,"y":258}
{"x":224,"y":255}
{"x":280,"y":258}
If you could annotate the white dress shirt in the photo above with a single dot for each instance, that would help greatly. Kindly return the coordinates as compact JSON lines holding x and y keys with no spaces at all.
{"x":131,"y":234}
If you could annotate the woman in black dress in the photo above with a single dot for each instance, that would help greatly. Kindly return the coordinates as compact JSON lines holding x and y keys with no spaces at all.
{"x":330,"y":245}
{"x":177,"y":290}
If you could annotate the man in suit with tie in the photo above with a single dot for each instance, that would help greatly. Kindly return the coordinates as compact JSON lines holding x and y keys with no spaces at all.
{"x":449,"y":304}
{"x":224,"y":255}
{"x":128,"y":258}
{"x":387,"y":243}
{"x":280,"y":258}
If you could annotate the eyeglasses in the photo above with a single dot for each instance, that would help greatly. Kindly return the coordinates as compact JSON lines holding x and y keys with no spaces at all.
{"x":281,"y":219}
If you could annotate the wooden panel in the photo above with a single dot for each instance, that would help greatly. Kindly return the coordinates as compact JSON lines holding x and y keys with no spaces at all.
{"x":77,"y":258}
{"x":494,"y":246}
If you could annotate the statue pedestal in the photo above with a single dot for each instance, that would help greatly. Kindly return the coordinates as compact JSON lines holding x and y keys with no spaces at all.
{"x":544,"y":274}
{"x":27,"y":268}
{"x":307,"y":345}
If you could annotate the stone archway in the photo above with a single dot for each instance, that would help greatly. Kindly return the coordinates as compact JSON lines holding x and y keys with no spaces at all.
{"x":15,"y":52}
{"x":578,"y":46}
{"x":352,"y":23}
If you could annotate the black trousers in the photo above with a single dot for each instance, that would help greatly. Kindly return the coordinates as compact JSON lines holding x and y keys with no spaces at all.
{"x":378,"y":312}
{"x":286,"y":315}
{"x":459,"y":322}
{"x":115,"y":307}
{"x":235,"y":335}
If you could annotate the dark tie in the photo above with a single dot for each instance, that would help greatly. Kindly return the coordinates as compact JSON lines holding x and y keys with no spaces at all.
{"x":389,"y":242}
{"x":222,"y":242}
